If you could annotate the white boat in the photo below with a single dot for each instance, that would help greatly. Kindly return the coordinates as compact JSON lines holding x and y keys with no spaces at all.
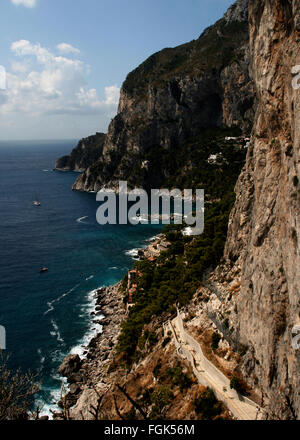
{"x":36,"y":202}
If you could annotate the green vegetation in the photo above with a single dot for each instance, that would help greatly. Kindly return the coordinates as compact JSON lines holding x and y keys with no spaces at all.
{"x":179,"y":378}
{"x":148,"y":338}
{"x":179,"y":271}
{"x":166,"y":341}
{"x":216,"y":337}
{"x":237,"y":385}
{"x":186,"y":165}
{"x":160,"y":398}
{"x":226,"y":323}
{"x":207,"y":407}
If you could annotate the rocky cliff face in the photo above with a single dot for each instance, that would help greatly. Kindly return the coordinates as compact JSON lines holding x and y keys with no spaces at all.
{"x":84,"y":155}
{"x":264,"y":229}
{"x":252,"y":298}
{"x":172,"y":97}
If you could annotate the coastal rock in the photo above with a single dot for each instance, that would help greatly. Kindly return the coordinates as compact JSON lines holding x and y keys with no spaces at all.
{"x":82,"y":409}
{"x":75,"y":378}
{"x":84,"y":155}
{"x":70,"y":365}
{"x":75,"y":389}
{"x":84,"y":374}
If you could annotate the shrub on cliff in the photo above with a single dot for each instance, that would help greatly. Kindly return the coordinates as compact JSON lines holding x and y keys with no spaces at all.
{"x":17,"y":391}
{"x":216,"y":337}
{"x":207,"y":406}
{"x":160,"y":398}
{"x":237,"y":385}
{"x":179,"y":378}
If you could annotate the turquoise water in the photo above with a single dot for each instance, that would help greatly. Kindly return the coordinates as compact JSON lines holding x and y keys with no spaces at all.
{"x":46,"y":316}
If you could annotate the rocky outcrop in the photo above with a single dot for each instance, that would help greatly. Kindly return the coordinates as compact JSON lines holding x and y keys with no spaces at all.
{"x":70,"y":365}
{"x":239,"y":11}
{"x":264,"y":229}
{"x":87,"y":374}
{"x":172,"y":97}
{"x":84,"y":155}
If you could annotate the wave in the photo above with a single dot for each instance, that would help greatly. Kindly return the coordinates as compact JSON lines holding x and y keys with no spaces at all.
{"x":54,"y":394}
{"x":59,"y":355}
{"x":134,"y":253}
{"x":56,"y":333}
{"x":42,"y":358}
{"x":150,"y":240}
{"x":93,"y":329}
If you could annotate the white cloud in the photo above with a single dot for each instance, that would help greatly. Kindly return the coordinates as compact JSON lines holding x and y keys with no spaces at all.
{"x":43,"y":83}
{"x":26,"y":3}
{"x":112,"y":94}
{"x":19,"y":67}
{"x":67,"y":48}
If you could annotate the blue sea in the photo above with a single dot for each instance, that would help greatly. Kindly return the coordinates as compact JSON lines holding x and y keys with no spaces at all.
{"x":48,"y":315}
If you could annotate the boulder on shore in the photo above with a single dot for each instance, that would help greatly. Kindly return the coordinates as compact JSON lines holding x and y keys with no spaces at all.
{"x":71,"y":364}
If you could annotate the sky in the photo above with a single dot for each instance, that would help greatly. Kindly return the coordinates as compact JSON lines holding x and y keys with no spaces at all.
{"x":65,"y":60}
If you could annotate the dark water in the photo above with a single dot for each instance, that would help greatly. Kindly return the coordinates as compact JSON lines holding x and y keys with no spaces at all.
{"x":48,"y":315}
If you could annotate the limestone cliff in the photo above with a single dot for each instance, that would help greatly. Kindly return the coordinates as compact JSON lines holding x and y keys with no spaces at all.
{"x":264,"y":228}
{"x":172,"y":97}
{"x":84,"y":155}
{"x":251,"y":300}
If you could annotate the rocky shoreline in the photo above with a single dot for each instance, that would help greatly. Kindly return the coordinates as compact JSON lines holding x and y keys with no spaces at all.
{"x":85,"y":376}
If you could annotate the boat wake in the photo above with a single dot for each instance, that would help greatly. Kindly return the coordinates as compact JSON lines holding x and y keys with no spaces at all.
{"x":81,"y":219}
{"x":57,"y":300}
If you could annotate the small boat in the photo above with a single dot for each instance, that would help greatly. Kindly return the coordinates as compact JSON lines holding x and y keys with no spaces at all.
{"x":36,"y":202}
{"x":44,"y":269}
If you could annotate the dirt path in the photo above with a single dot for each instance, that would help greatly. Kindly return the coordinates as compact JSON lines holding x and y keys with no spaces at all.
{"x":209,"y":375}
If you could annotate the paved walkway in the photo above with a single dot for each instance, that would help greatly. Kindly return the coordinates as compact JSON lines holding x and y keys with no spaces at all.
{"x":209,"y":375}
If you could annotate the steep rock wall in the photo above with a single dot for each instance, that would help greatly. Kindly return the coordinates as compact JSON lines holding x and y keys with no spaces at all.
{"x":264,"y":230}
{"x":87,"y":151}
{"x":173,"y":96}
